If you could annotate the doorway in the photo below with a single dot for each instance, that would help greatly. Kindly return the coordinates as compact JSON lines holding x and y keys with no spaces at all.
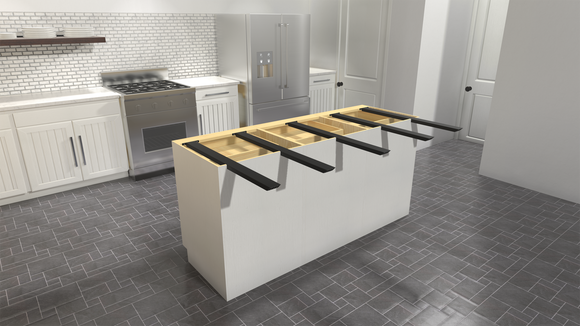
{"x":490,"y":17}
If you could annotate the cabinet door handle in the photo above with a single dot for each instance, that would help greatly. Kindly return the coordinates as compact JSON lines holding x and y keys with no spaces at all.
{"x":320,"y":81}
{"x":72,"y":144}
{"x":82,"y":150}
{"x":214,"y":94}
{"x":201,"y":125}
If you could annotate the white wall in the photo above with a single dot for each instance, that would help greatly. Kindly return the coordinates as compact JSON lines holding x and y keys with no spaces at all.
{"x":324,"y":33}
{"x":444,"y":45}
{"x":158,"y":6}
{"x":533,"y":133}
{"x":184,"y":43}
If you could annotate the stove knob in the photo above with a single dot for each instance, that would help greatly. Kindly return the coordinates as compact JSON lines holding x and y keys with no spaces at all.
{"x":185,"y":101}
{"x":138,"y":108}
{"x":154,"y":106}
{"x":170,"y":103}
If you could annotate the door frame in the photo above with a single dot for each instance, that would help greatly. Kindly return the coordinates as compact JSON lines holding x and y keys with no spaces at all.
{"x":460,"y":113}
{"x":383,"y":101}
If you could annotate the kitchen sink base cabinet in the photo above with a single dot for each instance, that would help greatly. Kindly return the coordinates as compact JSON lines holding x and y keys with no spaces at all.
{"x":60,"y":147}
{"x":239,"y":236}
{"x":87,"y":146}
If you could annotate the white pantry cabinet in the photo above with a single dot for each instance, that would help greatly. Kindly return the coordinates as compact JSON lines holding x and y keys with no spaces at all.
{"x":11,"y":177}
{"x":72,"y":143}
{"x":322,"y":90}
{"x":217,"y":109}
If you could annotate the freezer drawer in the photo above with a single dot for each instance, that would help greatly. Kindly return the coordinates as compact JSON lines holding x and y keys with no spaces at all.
{"x":272,"y":111}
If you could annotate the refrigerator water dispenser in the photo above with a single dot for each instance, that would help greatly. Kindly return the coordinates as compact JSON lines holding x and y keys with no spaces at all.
{"x":265,"y":64}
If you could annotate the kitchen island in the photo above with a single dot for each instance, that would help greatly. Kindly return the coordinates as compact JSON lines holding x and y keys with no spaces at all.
{"x":239,"y":235}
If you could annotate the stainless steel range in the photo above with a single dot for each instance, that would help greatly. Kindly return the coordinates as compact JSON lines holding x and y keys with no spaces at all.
{"x":155,"y":112}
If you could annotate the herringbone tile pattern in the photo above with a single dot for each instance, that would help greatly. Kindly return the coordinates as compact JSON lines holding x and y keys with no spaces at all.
{"x":473,"y":251}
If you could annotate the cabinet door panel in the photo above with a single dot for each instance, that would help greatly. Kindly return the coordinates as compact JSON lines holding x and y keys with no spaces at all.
{"x":11,"y":177}
{"x":49,"y":155}
{"x":321,"y":98}
{"x":101,"y":145}
{"x":218,"y":115}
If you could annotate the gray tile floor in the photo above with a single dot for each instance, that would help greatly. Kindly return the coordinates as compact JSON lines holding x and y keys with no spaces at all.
{"x":473,"y":251}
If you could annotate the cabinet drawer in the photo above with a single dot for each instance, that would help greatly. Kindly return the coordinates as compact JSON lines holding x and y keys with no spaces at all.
{"x":216,"y":92}
{"x":322,"y":79}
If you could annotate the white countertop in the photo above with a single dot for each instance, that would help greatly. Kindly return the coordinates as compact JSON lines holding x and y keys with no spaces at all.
{"x":318,"y":72}
{"x":32,"y":100}
{"x":206,"y":82}
{"x":40,"y":99}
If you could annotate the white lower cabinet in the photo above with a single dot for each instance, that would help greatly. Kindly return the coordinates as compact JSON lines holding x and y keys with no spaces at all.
{"x":102,"y":146}
{"x":65,"y":151}
{"x":322,"y":93}
{"x":217,"y":109}
{"x":217,"y":115}
{"x":11,"y":176}
{"x":50,"y":155}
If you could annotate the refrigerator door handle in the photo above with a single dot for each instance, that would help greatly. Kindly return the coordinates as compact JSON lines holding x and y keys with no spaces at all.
{"x":280,"y":61}
{"x":286,"y":57}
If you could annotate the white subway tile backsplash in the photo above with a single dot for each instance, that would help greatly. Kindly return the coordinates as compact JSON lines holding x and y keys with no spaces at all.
{"x":183,"y":43}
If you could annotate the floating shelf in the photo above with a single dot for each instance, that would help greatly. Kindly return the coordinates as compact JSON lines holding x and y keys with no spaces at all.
{"x":52,"y":40}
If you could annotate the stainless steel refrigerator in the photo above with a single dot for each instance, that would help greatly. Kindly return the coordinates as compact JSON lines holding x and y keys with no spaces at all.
{"x":270,"y":55}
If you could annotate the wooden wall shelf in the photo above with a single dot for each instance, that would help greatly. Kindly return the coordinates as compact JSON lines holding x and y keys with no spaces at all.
{"x":53,"y":40}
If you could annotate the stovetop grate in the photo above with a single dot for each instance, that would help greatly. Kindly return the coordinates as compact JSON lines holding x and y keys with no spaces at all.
{"x":147,"y":87}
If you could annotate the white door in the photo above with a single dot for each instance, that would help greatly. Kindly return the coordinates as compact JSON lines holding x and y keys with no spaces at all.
{"x":485,"y":51}
{"x":50,"y":155}
{"x":11,"y":177}
{"x":362,"y":47}
{"x":101,"y":146}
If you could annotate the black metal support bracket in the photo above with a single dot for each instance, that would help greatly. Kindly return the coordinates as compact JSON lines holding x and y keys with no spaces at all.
{"x":244,"y":172}
{"x":414,"y":120}
{"x":288,"y":153}
{"x":384,"y":127}
{"x":339,"y":138}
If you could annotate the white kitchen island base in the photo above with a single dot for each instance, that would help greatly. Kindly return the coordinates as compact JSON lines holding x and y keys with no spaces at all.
{"x":239,"y":236}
